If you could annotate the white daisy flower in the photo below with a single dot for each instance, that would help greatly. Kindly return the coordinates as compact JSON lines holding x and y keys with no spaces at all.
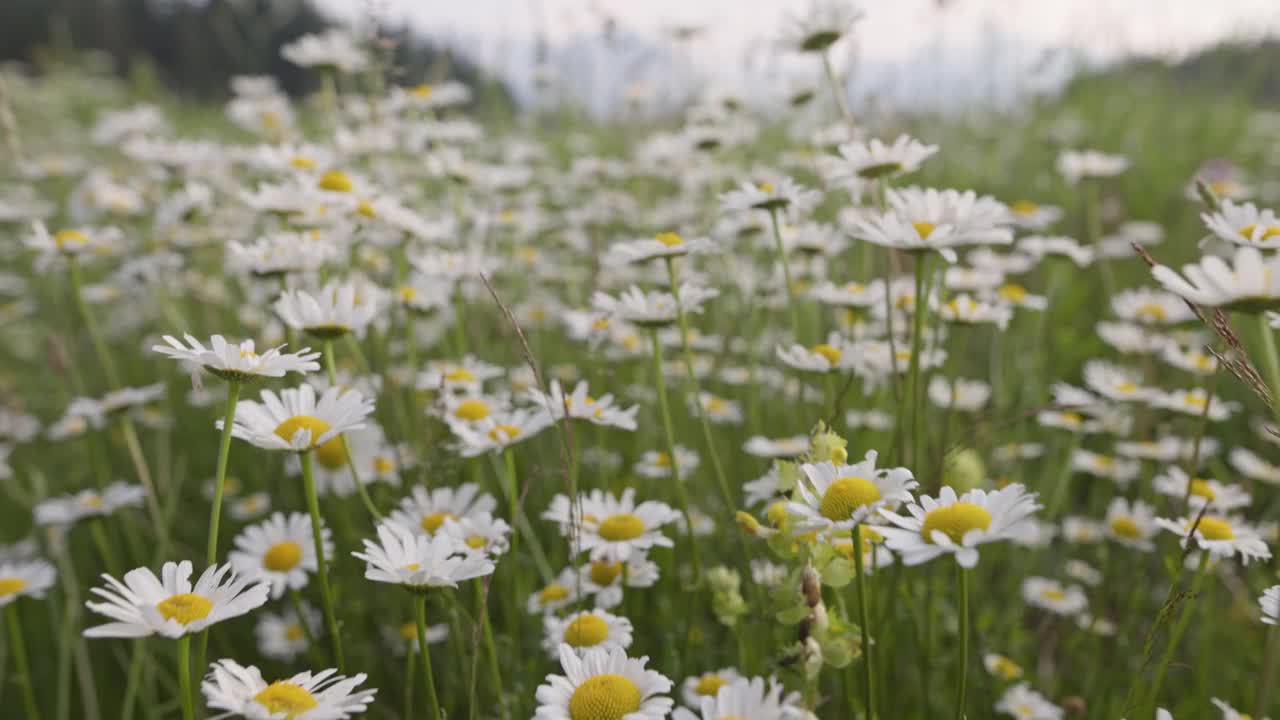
{"x":850,"y":294}
{"x":1119,"y":470}
{"x":1254,"y":466}
{"x":957,"y":524}
{"x":495,"y":433}
{"x":822,"y":358}
{"x":367,"y":449}
{"x":1018,"y":296}
{"x":1084,"y":572}
{"x":746,"y":699}
{"x":1195,"y":402}
{"x":1077,"y":165}
{"x":250,"y":507}
{"x":776,"y":194}
{"x":1115,"y":382}
{"x":964,"y":308}
{"x":170,"y":605}
{"x":895,"y":231}
{"x":1222,"y":536}
{"x":53,"y":248}
{"x":67,"y":509}
{"x":404,"y":638}
{"x":280,"y":551}
{"x":819,"y":26}
{"x":784,"y":447}
{"x":1151,"y":307}
{"x":238,"y":362}
{"x":420,"y":562}
{"x":580,"y":404}
{"x":480,"y":533}
{"x":1228,"y":712}
{"x":426,"y":510}
{"x":467,"y":376}
{"x":333,"y":311}
{"x":1131,"y":338}
{"x":603,"y":685}
{"x":614,"y":527}
{"x":958,"y":393}
{"x":1001,"y":667}
{"x":1131,"y":523}
{"x":1250,"y":283}
{"x":874,"y":159}
{"x":871,"y":419}
{"x":282,"y":253}
{"x":586,"y":630}
{"x":959,"y":278}
{"x":1033,"y":216}
{"x":1043,"y":246}
{"x":557,"y":594}
{"x":1011,"y":262}
{"x":1010,"y":453}
{"x":652,"y":309}
{"x":718,"y":410}
{"x":334,"y":48}
{"x":697,"y":688}
{"x":283,"y":636}
{"x":241,"y":691}
{"x":24,"y":578}
{"x":1053,"y":596}
{"x":662,"y":245}
{"x":296,"y":421}
{"x":605,"y":580}
{"x":1244,"y":225}
{"x":1199,"y":492}
{"x":838,"y":497}
{"x":1191,"y":359}
{"x":1023,"y":703}
{"x":657,"y":464}
{"x":1082,"y":530}
{"x":1270,"y":602}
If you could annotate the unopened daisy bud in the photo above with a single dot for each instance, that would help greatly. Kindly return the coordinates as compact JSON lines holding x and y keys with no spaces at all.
{"x":777,"y":514}
{"x":748,"y":524}
{"x":964,"y":470}
{"x":723,"y":579}
{"x":826,"y":446}
{"x":789,"y":474}
{"x":811,"y":586}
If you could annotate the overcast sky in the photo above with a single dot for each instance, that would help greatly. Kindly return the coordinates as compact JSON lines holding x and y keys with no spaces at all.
{"x":895,"y":35}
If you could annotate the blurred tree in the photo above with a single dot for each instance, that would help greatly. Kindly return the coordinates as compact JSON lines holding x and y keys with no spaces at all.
{"x":197,"y":45}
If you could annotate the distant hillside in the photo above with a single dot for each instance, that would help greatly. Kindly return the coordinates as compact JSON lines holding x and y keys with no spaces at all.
{"x":197,"y":46}
{"x":1241,"y":71}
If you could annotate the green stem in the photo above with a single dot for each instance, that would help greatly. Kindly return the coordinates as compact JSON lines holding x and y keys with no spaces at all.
{"x":963,"y":579}
{"x":322,"y":570}
{"x":144,"y":476}
{"x":837,"y":89}
{"x":220,"y":477}
{"x":420,"y":600}
{"x":786,"y":273}
{"x":1272,"y":359}
{"x":135,"y":676}
{"x":682,"y":495}
{"x":1268,"y":673}
{"x":184,"y":678}
{"x":495,"y":674}
{"x":859,"y":579}
{"x":331,"y":367}
{"x":91,"y":325}
{"x":692,"y":377}
{"x":20,"y":660}
{"x":408,"y":683}
{"x":295,"y":598}
{"x":913,"y":370}
{"x":1183,"y":619}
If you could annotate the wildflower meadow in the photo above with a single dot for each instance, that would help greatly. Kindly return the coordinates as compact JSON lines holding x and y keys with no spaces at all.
{"x":385,"y":402}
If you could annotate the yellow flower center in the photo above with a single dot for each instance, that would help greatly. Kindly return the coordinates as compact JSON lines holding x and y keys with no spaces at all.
{"x":831,"y":353}
{"x":287,"y":429}
{"x":384,"y":465}
{"x":366,"y":209}
{"x":1126,"y":387}
{"x":1053,"y":594}
{"x":92,"y":500}
{"x":586,"y":630}
{"x":333,"y":454}
{"x":623,"y":526}
{"x":662,"y":460}
{"x":1267,"y":233}
{"x":1216,"y":528}
{"x":283,"y":556}
{"x":669,"y":239}
{"x":407,"y":293}
{"x":476,"y":542}
{"x":554,"y":592}
{"x":1006,"y":668}
{"x":955,"y":521}
{"x":422,"y":91}
{"x":64,"y":238}
{"x":1024,"y":208}
{"x":604,"y":697}
{"x":603,"y":573}
{"x":846,"y":495}
{"x":460,"y":375}
{"x":409,"y":632}
{"x":285,"y":697}
{"x":924,"y":229}
{"x":186,"y":608}
{"x":472,"y":410}
{"x":766,"y":187}
{"x":1151,"y":312}
{"x":11,"y":586}
{"x":1202,"y":488}
{"x":502,"y":432}
{"x":432,"y":521}
{"x":710,"y":684}
{"x":303,"y":163}
{"x":1013,"y":292}
{"x":1125,"y":528}
{"x":294,"y":633}
{"x":336,"y":181}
